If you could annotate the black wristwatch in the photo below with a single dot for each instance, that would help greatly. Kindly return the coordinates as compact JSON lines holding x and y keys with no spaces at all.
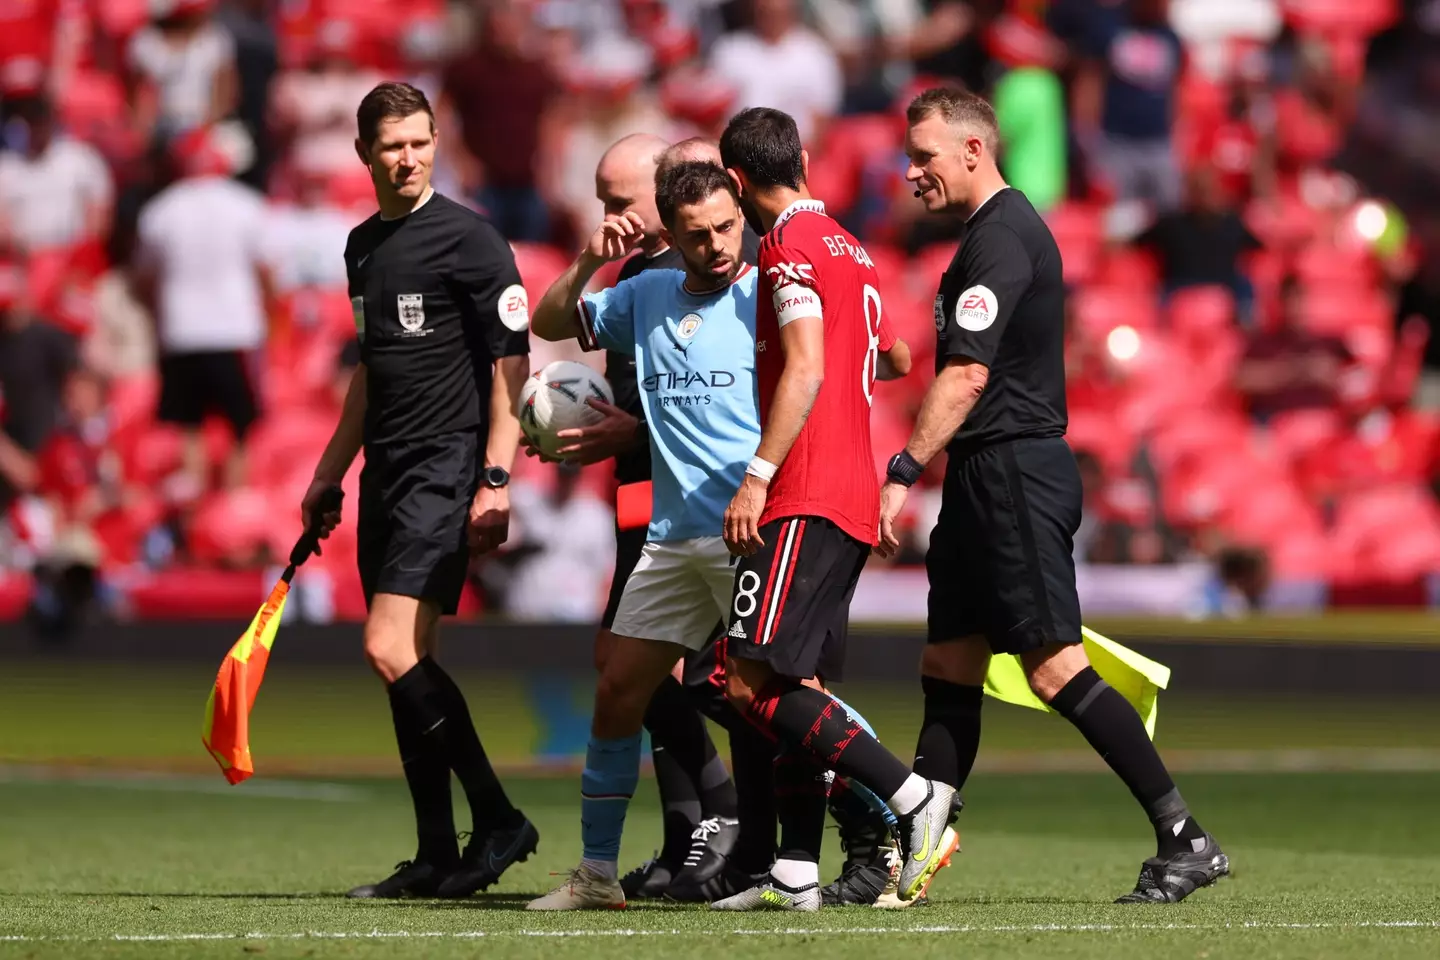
{"x":496,"y":477}
{"x":904,"y":469}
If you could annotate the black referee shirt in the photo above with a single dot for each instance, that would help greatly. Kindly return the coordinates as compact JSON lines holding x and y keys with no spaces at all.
{"x":437,"y":299}
{"x":1002,"y":303}
{"x":634,"y":466}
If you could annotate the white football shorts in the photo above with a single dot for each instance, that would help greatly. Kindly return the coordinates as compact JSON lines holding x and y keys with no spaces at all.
{"x":678,"y":591}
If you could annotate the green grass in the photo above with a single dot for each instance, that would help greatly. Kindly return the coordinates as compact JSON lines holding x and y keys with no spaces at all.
{"x":1044,"y":854}
{"x":95,"y":844}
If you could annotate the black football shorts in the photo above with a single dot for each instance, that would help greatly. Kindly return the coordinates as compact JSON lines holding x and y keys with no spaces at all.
{"x":415,"y":501}
{"x":791,"y":604}
{"x":1001,"y":561}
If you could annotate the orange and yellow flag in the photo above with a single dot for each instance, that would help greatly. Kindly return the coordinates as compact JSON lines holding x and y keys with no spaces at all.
{"x":227,"y":714}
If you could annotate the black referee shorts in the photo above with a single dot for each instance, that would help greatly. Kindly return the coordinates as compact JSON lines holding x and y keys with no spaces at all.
{"x":415,"y":501}
{"x":792,"y":598}
{"x":1001,"y":560}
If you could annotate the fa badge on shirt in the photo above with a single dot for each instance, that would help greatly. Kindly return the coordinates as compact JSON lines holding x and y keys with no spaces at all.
{"x":412,"y":311}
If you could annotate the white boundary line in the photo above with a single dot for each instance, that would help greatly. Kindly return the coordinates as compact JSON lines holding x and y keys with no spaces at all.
{"x":781,"y":931}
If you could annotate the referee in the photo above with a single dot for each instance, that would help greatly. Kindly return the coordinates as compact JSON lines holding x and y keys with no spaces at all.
{"x":442,"y":321}
{"x":1002,"y":576}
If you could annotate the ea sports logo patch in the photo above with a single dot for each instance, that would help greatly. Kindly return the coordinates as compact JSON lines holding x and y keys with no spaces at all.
{"x":689,"y":326}
{"x":976,"y":308}
{"x":412,"y":310}
{"x":514,"y":307}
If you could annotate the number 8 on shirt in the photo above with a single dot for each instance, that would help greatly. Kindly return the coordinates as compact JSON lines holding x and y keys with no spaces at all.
{"x":792,"y":597}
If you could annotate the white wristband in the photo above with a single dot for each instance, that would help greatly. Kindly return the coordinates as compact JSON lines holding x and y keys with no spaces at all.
{"x":763,"y":469}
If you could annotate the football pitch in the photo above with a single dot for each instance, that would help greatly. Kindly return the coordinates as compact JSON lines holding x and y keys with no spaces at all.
{"x":116,"y":839}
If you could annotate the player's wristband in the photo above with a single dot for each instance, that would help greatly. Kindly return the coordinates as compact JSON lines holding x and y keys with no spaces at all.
{"x":763,"y":469}
{"x":904,"y":469}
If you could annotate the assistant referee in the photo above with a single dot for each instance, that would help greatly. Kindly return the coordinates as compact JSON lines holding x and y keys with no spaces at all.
{"x":1002,"y":576}
{"x":443,"y":326}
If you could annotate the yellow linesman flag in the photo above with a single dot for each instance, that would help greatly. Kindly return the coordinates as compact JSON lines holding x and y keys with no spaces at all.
{"x":1138,"y":678}
{"x":226,"y":733}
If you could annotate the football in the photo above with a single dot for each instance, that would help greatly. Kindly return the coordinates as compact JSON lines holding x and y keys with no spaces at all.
{"x":554,"y":399}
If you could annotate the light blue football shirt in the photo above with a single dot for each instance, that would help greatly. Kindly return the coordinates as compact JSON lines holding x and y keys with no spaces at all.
{"x":695,"y":360}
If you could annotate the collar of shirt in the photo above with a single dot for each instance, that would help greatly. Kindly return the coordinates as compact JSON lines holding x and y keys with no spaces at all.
{"x":799,"y":206}
{"x":987,"y":200}
{"x":429,"y":192}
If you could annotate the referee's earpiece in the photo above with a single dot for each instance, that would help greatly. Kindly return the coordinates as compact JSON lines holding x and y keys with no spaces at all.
{"x":918,"y":194}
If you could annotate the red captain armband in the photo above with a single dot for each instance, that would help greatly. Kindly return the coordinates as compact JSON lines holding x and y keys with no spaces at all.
{"x":632,"y":505}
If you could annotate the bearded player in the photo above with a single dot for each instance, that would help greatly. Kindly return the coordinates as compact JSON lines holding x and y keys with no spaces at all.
{"x":803,"y":521}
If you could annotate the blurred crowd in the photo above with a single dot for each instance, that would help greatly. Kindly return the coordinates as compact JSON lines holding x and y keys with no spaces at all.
{"x":1243,"y":192}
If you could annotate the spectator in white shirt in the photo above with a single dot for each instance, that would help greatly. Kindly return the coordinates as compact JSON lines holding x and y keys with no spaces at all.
{"x":200,"y":268}
{"x":181,"y":69}
{"x":305,"y":241}
{"x":781,"y":63}
{"x":54,"y":191}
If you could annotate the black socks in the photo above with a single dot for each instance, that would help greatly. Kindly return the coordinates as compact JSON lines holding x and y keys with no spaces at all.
{"x":428,"y":700}
{"x":1110,"y":724}
{"x":426,"y":773}
{"x":950,"y":732}
{"x":802,"y":787}
{"x":808,"y":718}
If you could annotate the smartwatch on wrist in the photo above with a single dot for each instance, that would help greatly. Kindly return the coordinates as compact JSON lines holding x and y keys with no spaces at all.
{"x":904,"y":469}
{"x":496,"y":477}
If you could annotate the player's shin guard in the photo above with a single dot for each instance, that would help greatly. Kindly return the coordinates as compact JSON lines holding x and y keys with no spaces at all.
{"x":950,"y":731}
{"x":875,"y":803}
{"x":426,"y":772}
{"x":1110,"y":724}
{"x":803,"y":717}
{"x":612,"y":769}
{"x":490,"y":808}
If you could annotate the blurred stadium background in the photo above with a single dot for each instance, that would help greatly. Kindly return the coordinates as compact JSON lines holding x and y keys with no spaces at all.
{"x":1244,"y":192}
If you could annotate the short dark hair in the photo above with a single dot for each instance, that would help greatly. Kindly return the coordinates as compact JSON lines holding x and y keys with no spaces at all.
{"x":690,"y":181}
{"x":764,"y":144}
{"x":958,"y":108}
{"x":391,"y":100}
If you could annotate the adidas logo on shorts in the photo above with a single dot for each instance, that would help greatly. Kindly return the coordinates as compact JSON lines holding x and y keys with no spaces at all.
{"x":737,"y":630}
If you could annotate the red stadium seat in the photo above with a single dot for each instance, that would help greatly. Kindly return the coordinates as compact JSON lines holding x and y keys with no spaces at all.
{"x":1324,"y":265}
{"x":281,"y":441}
{"x":1133,"y":268}
{"x":1103,"y":435}
{"x":1341,"y":17}
{"x":1098,"y":310}
{"x":1282,"y":221}
{"x":1198,"y":312}
{"x":1299,"y":432}
{"x":1078,"y":233}
{"x":539,"y":267}
{"x":132,"y":399}
{"x":235,"y":528}
{"x":1337,"y":312}
{"x":189,"y":594}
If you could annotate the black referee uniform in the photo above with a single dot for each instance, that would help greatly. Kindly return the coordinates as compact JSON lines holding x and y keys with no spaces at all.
{"x":437,"y":299}
{"x":1000,"y":561}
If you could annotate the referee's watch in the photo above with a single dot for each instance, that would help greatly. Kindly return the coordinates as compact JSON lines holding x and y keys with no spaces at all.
{"x":904,"y":469}
{"x":496,"y":477}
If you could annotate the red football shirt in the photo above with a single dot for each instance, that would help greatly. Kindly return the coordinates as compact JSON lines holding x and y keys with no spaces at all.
{"x":812,"y":266}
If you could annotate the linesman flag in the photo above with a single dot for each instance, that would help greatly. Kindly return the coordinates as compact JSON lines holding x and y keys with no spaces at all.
{"x":226,"y":733}
{"x":1138,"y":678}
